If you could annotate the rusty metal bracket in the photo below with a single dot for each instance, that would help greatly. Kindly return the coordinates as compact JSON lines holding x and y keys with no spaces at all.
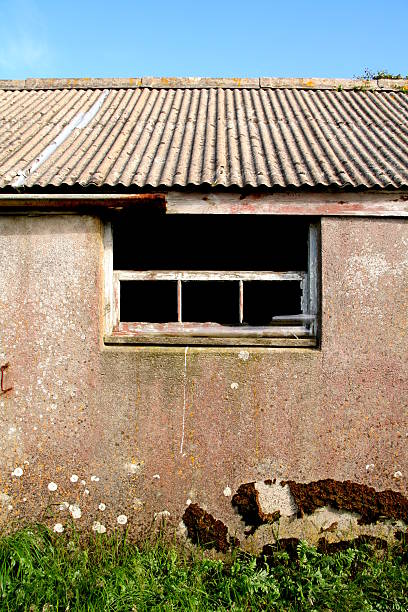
{"x":3,"y":368}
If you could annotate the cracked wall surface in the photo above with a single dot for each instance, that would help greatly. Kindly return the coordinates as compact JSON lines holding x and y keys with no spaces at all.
{"x":105,"y":424}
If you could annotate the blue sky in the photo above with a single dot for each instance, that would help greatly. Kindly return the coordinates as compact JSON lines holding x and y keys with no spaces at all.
{"x":40,"y":38}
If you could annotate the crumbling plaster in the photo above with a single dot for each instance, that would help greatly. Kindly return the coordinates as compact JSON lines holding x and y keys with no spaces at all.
{"x":113,"y":416}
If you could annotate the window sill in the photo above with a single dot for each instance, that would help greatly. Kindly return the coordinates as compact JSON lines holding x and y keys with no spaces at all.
{"x":210,"y":334}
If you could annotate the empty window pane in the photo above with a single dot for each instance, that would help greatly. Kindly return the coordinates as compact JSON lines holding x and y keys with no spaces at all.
{"x":264,"y":300}
{"x":211,"y":301}
{"x":148,"y":301}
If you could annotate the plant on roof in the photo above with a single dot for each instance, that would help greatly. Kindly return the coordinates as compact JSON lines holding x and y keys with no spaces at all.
{"x":372,"y":75}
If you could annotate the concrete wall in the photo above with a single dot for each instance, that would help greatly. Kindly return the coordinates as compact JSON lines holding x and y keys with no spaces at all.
{"x":113,"y":416}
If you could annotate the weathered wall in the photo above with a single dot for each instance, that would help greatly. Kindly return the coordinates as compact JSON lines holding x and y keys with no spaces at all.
{"x":148,"y":435}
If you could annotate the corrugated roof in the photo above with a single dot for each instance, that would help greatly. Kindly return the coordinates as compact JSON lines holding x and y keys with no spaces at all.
{"x":233,"y":133}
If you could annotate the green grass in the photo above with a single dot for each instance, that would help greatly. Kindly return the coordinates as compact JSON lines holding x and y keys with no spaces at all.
{"x":43,"y":571}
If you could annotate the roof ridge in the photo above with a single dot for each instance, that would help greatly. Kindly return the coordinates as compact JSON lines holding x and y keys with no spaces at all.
{"x":206,"y":83}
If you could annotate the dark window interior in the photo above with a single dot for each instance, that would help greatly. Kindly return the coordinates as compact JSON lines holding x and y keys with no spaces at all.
{"x":264,"y":300}
{"x":209,"y":242}
{"x":215,"y":301}
{"x":148,"y":301}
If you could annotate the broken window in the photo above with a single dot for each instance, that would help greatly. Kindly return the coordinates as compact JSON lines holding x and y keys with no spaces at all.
{"x":211,"y":279}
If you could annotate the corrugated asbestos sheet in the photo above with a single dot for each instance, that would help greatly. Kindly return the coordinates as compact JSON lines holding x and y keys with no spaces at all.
{"x":231,"y":137}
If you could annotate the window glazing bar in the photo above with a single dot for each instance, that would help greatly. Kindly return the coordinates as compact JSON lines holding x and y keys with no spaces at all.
{"x":204,"y":275}
{"x":179,"y":301}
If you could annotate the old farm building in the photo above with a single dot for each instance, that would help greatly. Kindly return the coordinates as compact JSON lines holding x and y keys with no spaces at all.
{"x":203,"y":305}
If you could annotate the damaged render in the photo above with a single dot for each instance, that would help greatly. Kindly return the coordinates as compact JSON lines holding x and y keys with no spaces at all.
{"x":351,"y":496}
{"x":204,"y":529}
{"x":271,"y":501}
{"x":305,"y":498}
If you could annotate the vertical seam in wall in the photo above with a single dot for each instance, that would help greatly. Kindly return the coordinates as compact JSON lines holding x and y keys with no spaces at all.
{"x":184,"y":400}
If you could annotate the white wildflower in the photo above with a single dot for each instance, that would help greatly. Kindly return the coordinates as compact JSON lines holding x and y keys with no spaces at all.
{"x":75,"y":511}
{"x":122,"y":519}
{"x":165,"y":514}
{"x":98,"y":527}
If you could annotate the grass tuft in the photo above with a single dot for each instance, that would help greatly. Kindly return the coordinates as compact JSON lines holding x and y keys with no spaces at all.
{"x":43,"y":571}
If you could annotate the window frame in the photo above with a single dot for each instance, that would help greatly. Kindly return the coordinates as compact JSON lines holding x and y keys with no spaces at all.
{"x":289,"y":331}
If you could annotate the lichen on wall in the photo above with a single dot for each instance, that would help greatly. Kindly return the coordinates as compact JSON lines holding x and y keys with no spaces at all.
{"x":106,"y":424}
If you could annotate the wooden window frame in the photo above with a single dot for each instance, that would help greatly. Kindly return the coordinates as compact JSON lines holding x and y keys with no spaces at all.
{"x":287,"y":331}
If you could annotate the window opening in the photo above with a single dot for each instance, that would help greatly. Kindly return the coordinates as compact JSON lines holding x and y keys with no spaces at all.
{"x":264,"y":300}
{"x":153,"y":301}
{"x":215,"y":276}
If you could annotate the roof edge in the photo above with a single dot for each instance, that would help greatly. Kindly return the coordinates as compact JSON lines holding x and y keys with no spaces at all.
{"x":206,"y":83}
